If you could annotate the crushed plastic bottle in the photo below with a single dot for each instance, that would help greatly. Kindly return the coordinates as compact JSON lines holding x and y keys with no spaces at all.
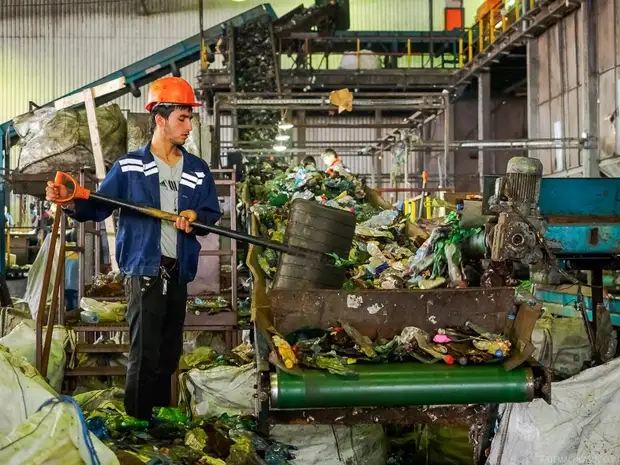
{"x":170,"y":415}
{"x":97,"y":426}
{"x":285,"y":351}
{"x":90,"y":317}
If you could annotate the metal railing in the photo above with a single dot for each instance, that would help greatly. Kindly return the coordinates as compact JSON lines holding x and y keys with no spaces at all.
{"x":489,"y":28}
{"x":431,"y":51}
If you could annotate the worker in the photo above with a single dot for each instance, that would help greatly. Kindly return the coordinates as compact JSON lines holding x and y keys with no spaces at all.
{"x":8,"y":219}
{"x":158,"y":258}
{"x":333,"y":163}
{"x":308,"y":162}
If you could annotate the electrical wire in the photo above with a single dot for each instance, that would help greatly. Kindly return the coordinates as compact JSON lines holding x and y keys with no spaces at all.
{"x":54,"y":401}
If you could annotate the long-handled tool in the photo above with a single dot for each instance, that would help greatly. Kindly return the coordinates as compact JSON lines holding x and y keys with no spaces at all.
{"x":76,"y":191}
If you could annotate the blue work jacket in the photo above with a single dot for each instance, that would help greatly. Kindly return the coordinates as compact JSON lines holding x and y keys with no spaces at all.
{"x":135,"y":178}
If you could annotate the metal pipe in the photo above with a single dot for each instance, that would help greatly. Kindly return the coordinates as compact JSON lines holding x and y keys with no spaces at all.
{"x":617,"y":117}
{"x":357,"y":102}
{"x":306,"y":95}
{"x":538,"y":144}
{"x":393,"y":107}
{"x":446,"y":141}
{"x":215,"y":155}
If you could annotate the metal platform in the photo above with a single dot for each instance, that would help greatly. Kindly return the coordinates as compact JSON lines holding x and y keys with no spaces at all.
{"x":539,"y":16}
{"x":427,"y":80}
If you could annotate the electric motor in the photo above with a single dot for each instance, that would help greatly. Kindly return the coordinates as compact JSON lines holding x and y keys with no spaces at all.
{"x":522,"y":183}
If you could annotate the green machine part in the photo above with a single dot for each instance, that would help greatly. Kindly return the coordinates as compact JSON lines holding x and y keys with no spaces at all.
{"x":401,"y":385}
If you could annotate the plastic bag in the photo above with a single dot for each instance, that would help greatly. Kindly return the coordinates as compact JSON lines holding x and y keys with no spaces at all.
{"x":561,"y":344}
{"x":577,"y":428}
{"x":109,"y":312}
{"x":219,"y":390}
{"x":34,"y":284}
{"x":22,"y":342}
{"x":55,"y":435}
{"x":381,"y":220}
{"x":60,"y":140}
{"x":22,"y":390}
{"x":334,"y":445}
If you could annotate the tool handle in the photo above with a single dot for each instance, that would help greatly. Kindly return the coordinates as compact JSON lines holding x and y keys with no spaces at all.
{"x":74,"y":190}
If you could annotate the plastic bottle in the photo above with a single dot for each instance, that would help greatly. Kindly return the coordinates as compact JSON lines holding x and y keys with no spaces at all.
{"x":90,"y":317}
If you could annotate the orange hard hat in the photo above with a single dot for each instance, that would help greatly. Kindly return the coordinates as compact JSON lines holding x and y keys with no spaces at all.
{"x":171,"y":90}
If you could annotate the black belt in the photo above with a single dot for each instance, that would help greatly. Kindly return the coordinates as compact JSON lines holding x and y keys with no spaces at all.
{"x":168,"y":263}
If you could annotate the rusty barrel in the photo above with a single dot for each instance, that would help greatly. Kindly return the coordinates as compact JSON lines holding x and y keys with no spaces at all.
{"x":313,"y":226}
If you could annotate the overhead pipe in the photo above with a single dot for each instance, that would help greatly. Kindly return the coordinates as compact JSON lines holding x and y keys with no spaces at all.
{"x":326,"y":101}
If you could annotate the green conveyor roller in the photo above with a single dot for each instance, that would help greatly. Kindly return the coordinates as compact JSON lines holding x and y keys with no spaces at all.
{"x":401,"y":385}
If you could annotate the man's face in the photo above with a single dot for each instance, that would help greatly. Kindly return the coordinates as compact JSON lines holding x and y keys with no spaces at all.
{"x":328,"y":158}
{"x":177,"y":127}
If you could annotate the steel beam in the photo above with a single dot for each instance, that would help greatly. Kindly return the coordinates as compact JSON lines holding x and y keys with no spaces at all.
{"x":589,"y":89}
{"x":484,"y":125}
{"x":533,"y":110}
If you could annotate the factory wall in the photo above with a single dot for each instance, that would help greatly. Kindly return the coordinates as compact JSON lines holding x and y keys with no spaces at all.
{"x":50,"y":47}
{"x":508,"y":120}
{"x":559,"y":81}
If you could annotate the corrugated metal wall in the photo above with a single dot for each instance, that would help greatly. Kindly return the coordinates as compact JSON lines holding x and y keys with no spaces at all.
{"x":559,"y":89}
{"x":560,"y":107}
{"x":50,"y":47}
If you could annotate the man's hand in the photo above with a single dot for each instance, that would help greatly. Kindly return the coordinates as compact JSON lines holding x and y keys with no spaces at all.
{"x":55,"y":192}
{"x":185,"y":219}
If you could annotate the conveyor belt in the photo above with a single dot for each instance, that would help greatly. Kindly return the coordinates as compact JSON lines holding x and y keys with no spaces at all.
{"x":403,"y":385}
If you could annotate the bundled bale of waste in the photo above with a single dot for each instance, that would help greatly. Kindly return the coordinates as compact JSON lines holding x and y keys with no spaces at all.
{"x":52,"y":140}
{"x":255,"y":72}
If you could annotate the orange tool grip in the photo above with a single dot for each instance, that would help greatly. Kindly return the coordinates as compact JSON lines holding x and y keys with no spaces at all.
{"x":424,"y":177}
{"x":78,"y":192}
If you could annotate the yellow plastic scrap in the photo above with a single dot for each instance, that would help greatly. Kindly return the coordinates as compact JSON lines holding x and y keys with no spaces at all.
{"x":207,"y":460}
{"x":196,"y":439}
{"x":343,"y":99}
{"x":285,"y":351}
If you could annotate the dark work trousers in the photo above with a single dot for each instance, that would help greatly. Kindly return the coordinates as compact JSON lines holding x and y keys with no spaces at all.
{"x":156,"y":313}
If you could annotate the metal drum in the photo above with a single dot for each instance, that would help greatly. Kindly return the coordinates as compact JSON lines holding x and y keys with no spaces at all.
{"x":319,"y":228}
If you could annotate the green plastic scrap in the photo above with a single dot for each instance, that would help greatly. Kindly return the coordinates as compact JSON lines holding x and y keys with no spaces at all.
{"x":200,"y":356}
{"x":172,"y":415}
{"x":363,"y":342}
{"x":332,"y":364}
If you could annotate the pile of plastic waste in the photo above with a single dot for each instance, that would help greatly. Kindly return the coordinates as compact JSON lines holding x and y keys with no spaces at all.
{"x":383,"y":255}
{"x":173,"y":435}
{"x":272,"y":189}
{"x":339,"y":349}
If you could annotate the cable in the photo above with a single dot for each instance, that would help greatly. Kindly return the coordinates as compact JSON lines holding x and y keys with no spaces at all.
{"x":54,"y":401}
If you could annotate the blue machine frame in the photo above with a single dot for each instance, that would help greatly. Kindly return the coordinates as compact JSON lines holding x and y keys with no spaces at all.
{"x":583,"y":215}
